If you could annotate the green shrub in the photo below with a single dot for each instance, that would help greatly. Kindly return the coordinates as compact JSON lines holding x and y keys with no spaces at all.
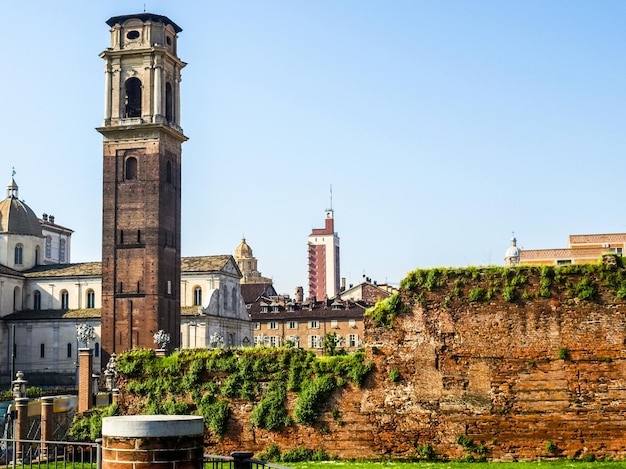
{"x":270,"y":413}
{"x":272,"y":453}
{"x":394,"y":375}
{"x":426,"y":452}
{"x":585,"y":289}
{"x":551,"y":447}
{"x":563,"y":353}
{"x":215,"y":413}
{"x":88,"y":426}
{"x":312,"y":397}
{"x":509,"y":293}
{"x":385,"y":311}
{"x":476,"y":294}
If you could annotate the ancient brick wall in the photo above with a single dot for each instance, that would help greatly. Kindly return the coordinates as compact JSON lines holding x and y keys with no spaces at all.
{"x":540,"y":377}
{"x":537,"y":377}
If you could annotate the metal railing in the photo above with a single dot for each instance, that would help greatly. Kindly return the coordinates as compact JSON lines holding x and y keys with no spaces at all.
{"x":238,"y":460}
{"x":37,"y":454}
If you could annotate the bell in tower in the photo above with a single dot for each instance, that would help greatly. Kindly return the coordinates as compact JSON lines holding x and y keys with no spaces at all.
{"x":142,"y":141}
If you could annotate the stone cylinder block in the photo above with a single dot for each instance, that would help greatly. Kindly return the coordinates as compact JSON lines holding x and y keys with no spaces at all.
{"x":152,"y":442}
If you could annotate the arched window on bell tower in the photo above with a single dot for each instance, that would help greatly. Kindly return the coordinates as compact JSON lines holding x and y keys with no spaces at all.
{"x":169,"y":103}
{"x":131,"y":168}
{"x":133,"y":98}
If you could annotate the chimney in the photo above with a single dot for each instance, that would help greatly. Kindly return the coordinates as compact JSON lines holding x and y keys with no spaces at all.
{"x":45,"y":217}
{"x":299,"y":296}
{"x":343,"y":284}
{"x":51,"y":217}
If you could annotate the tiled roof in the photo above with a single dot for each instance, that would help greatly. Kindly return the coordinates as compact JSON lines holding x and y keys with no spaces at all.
{"x":564,"y":253}
{"x":253,"y":291}
{"x":4,"y":270}
{"x":54,"y":314}
{"x":94,"y":269}
{"x":597,"y":238}
{"x":189,"y":310}
{"x":204,"y":263}
{"x":321,"y":309}
{"x":84,"y":269}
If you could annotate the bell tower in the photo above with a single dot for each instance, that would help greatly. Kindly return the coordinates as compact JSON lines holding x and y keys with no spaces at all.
{"x":141,"y":198}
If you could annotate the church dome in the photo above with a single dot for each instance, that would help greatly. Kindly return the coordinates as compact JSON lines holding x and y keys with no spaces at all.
{"x":243,"y":251}
{"x":512,"y":256}
{"x":15,"y":216}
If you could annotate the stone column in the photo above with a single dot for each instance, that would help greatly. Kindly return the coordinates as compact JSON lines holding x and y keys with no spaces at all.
{"x":241,"y":459}
{"x":47,"y":423}
{"x":85,"y":370}
{"x":21,"y":427}
{"x":152,"y":442}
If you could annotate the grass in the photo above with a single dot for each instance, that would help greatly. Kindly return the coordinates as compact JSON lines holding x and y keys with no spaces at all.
{"x":559,"y":464}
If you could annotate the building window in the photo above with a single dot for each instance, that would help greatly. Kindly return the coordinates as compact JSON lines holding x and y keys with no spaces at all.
{"x":616,"y":251}
{"x":352,"y":323}
{"x":333,"y":324}
{"x":563,"y":262}
{"x":37,"y":251}
{"x":96,"y":350}
{"x":18,"y":254}
{"x":48,"y":247}
{"x":62,"y":251}
{"x":225,"y":298}
{"x":293,"y":324}
{"x":315,"y":341}
{"x":91,"y":299}
{"x":353,"y":340}
{"x":42,"y":351}
{"x":131,"y":168}
{"x":169,"y":102}
{"x":168,"y":172}
{"x":65,"y":299}
{"x":37,"y":300}
{"x":133,"y":97}
{"x":273,"y":341}
{"x":197,"y":296}
{"x":69,"y":350}
{"x":272,"y":325}
{"x":314,"y":325}
{"x":257,"y":326}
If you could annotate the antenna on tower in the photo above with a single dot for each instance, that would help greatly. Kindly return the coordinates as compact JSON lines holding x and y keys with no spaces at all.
{"x":331,"y":196}
{"x":144,"y":7}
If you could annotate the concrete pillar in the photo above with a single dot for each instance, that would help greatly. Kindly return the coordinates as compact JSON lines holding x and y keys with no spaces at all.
{"x":152,"y":442}
{"x":47,"y":423}
{"x":85,"y":370}
{"x":21,"y":427}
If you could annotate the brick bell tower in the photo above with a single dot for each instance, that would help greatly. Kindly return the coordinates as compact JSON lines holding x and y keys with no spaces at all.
{"x":141,"y":196}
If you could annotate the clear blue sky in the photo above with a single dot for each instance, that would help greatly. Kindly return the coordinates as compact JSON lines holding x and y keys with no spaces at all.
{"x":442,"y":125}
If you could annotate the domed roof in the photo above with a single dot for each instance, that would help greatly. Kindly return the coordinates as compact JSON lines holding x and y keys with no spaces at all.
{"x":513,"y":251}
{"x":243,"y":251}
{"x":15,"y":216}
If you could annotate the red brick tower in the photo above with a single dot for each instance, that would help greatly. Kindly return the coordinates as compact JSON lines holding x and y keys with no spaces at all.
{"x":323,"y":246}
{"x":142,"y":142}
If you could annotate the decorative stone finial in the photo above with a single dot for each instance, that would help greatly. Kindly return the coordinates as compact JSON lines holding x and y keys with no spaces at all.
{"x":161,"y":339}
{"x":85,"y":334}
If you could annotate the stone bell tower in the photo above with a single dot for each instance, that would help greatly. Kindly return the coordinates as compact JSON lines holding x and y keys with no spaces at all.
{"x":141,"y":210}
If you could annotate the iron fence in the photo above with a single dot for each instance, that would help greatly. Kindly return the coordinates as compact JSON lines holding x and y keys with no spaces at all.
{"x":37,"y":454}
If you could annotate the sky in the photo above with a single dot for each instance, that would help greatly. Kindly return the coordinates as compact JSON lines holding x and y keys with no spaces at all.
{"x":442,"y":126}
